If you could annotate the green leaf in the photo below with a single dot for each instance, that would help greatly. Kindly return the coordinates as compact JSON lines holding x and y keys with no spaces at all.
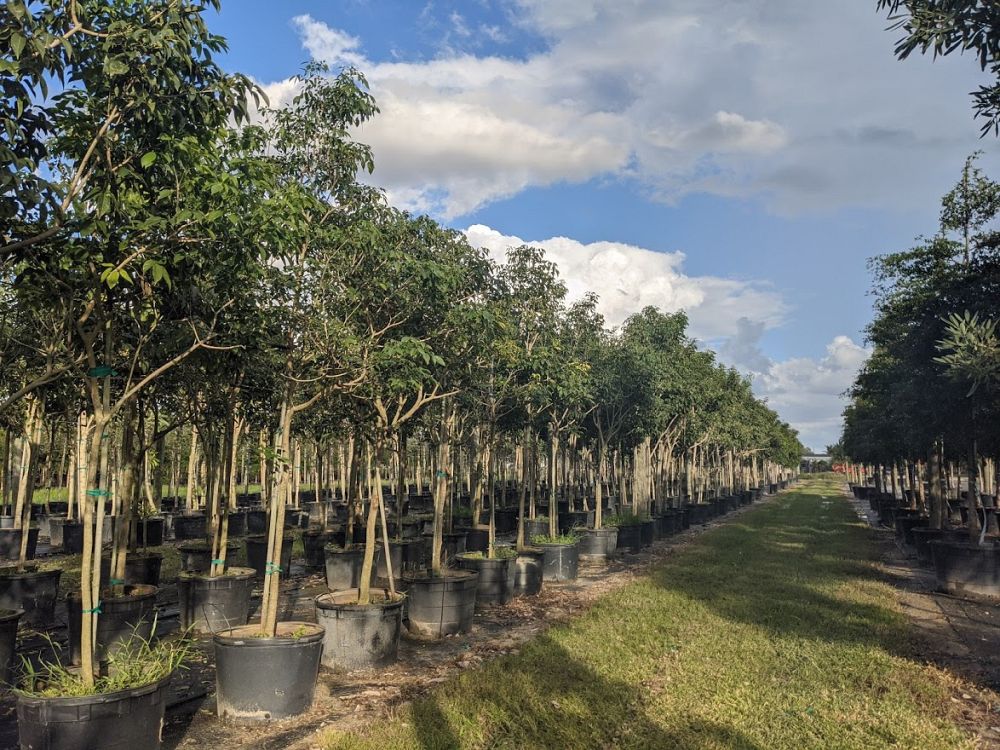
{"x":17,"y":42}
{"x":148,"y":159}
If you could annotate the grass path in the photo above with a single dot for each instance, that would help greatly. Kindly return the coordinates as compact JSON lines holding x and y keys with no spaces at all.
{"x":769,"y":632}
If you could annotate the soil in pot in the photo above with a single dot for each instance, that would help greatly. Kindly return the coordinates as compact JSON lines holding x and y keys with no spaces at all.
{"x":257,"y":554}
{"x":33,"y":591}
{"x":343,"y":566}
{"x":130,"y":718}
{"x":121,"y":617}
{"x":210,"y":604}
{"x":197,"y":556}
{"x":441,"y":605}
{"x":261,"y":678}
{"x":496,"y":576}
{"x":360,"y":636}
{"x":10,"y":543}
{"x":140,"y":567}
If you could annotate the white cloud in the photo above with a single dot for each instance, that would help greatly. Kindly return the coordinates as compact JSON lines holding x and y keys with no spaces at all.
{"x":628,"y":278}
{"x":328,"y":44}
{"x":808,"y":393}
{"x":799,"y":104}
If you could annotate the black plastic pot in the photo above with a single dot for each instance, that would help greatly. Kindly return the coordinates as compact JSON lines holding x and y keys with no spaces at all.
{"x":121,"y":617}
{"x":528,"y":571}
{"x":256,"y":522}
{"x":8,"y":643}
{"x":476,"y":540}
{"x":212,"y":604}
{"x":441,"y":605}
{"x":147,"y":532}
{"x":505,"y":520}
{"x":10,"y":543}
{"x":190,"y":526}
{"x":906,"y":523}
{"x":257,"y":554}
{"x":667,"y":523}
{"x":33,"y":591}
{"x":313,"y":542}
{"x":561,"y":561}
{"x":261,"y":679}
{"x":296,"y":519}
{"x":597,"y":545}
{"x":196,"y":557}
{"x":922,"y":538}
{"x":630,"y":537}
{"x":140,"y":567}
{"x":406,"y":556}
{"x":343,"y":567}
{"x":237,"y":524}
{"x":125,"y":719}
{"x":966,"y":568}
{"x":647,"y":532}
{"x":359,"y":636}
{"x":496,"y":578}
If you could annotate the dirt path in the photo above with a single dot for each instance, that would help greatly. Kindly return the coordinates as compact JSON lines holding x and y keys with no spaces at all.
{"x":959,"y":636}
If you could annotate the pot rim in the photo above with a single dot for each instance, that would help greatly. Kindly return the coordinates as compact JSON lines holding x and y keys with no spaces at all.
{"x":228,"y":638}
{"x":10,"y":614}
{"x":323,"y":601}
{"x":146,"y":592}
{"x":84,"y":700}
{"x":200,"y":545}
{"x":548,"y":545}
{"x":28,"y":572}
{"x":238,"y":572}
{"x":449,"y":574}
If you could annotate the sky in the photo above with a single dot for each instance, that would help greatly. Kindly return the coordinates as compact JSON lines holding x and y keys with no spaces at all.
{"x":738,"y":159}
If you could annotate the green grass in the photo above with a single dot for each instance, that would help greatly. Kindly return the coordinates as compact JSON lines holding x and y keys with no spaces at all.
{"x":770,"y":632}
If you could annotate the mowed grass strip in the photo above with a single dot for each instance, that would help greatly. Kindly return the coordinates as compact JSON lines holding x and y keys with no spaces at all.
{"x":769,"y":632}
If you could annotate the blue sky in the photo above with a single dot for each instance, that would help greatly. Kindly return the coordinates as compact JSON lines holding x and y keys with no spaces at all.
{"x":775,"y":144}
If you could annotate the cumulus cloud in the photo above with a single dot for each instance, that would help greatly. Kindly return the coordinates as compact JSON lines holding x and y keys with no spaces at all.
{"x":798,"y":104}
{"x":628,"y":278}
{"x":808,"y":393}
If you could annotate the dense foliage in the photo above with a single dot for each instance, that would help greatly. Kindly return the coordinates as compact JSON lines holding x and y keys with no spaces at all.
{"x":171,"y":270}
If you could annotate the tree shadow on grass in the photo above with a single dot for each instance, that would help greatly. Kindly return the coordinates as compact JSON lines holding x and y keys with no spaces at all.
{"x":804,"y":579}
{"x":547,"y":699}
